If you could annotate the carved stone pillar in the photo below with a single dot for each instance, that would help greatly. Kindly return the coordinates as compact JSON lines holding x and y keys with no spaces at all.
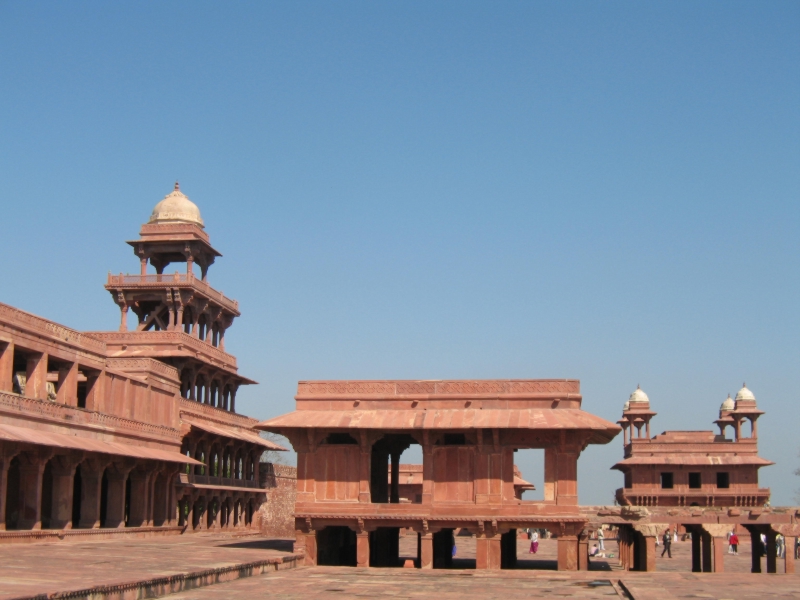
{"x":36,"y":374}
{"x":567,"y":552}
{"x":488,"y":550}
{"x":362,"y":549}
{"x":788,"y":553}
{"x":755,"y":551}
{"x":772,"y":552}
{"x":117,"y":477}
{"x":6,"y":370}
{"x":91,"y":487}
{"x":426,"y":550}
{"x":68,"y":385}
{"x":30,"y":487}
{"x":137,"y":510}
{"x":583,"y":551}
{"x":63,"y":469}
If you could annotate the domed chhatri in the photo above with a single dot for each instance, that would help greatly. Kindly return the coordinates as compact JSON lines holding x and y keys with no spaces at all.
{"x":176,"y":208}
{"x":728,"y":404}
{"x":745,"y":394}
{"x":638,"y":396}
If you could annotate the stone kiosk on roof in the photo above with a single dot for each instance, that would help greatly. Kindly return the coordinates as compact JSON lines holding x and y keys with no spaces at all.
{"x":349,"y":436}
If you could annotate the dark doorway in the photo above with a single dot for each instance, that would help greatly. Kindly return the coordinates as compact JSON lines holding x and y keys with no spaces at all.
{"x":12,"y":495}
{"x":443,"y":543}
{"x":127,"y":501}
{"x":336,"y":547}
{"x":384,"y":547}
{"x":384,"y":483}
{"x":47,"y":496}
{"x":104,"y":500}
{"x":77,"y":493}
{"x":508,"y":550}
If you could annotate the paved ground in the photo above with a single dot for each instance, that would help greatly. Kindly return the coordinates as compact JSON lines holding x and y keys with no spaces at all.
{"x":62,"y":566}
{"x":46,"y":568}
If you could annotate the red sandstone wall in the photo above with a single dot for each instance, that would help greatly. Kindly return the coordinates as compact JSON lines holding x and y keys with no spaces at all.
{"x":276,"y":516}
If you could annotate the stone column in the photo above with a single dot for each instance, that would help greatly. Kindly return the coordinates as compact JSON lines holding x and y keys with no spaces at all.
{"x":772,"y":552}
{"x":31,"y":470}
{"x":427,"y":478}
{"x":647,"y":549}
{"x":115,"y":506}
{"x":426,"y":550}
{"x":362,"y":549}
{"x":705,"y":540}
{"x":567,"y":553}
{"x":68,"y":385}
{"x":123,"y":317}
{"x":6,"y":372}
{"x":137,"y":510}
{"x":91,"y":488}
{"x":788,"y":553}
{"x":718,"y":539}
{"x":583,"y":551}
{"x":5,"y":463}
{"x":36,"y":373}
{"x":755,"y":551}
{"x":63,"y":469}
{"x":394,"y":497}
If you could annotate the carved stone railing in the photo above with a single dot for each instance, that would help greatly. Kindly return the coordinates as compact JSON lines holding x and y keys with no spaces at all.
{"x":219,"y":415}
{"x":177,"y":280}
{"x":224,"y":481}
{"x":402,"y":388}
{"x":685,"y":498}
{"x":144,"y":364}
{"x":78,"y":416}
{"x":169,"y":337}
{"x":48,"y":328}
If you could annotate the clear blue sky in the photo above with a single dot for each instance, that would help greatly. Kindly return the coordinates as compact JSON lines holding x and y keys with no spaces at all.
{"x":605,"y":191}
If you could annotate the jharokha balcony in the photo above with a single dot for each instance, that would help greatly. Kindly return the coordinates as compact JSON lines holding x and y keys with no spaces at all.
{"x":176,"y":280}
{"x":693,"y":497}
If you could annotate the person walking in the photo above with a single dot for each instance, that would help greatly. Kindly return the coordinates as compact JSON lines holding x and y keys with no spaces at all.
{"x":667,"y":544}
{"x":734,"y":541}
{"x":534,"y":542}
{"x":601,"y":538}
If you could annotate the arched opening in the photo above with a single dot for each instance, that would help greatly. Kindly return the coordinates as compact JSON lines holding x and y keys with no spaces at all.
{"x":13,"y":504}
{"x":385,"y":470}
{"x":336,"y":547}
{"x":77,"y":497}
{"x":127,"y":513}
{"x":47,"y":496}
{"x":211,"y":513}
{"x":104,"y":499}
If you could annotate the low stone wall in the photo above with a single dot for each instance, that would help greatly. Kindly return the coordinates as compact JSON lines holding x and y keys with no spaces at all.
{"x":276,"y":516}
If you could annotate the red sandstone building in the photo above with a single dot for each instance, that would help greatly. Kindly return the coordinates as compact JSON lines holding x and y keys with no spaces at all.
{"x":692,"y":468}
{"x":135,"y":430}
{"x":349,"y":436}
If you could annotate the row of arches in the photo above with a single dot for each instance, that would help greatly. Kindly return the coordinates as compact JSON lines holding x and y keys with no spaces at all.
{"x":221,"y":511}
{"x":222,"y":460}
{"x":63,"y":492}
{"x":210,"y":391}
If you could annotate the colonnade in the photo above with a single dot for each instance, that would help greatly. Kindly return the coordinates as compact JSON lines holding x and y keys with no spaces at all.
{"x":637,"y":547}
{"x":218,"y":510}
{"x":44,"y":488}
{"x":213,"y":391}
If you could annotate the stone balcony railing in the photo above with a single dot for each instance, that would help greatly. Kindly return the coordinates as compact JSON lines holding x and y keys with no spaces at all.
{"x":61,"y":414}
{"x":175,"y":280}
{"x":220,"y":415}
{"x":172,"y":338}
{"x":687,"y":496}
{"x":222,"y":481}
{"x":50,"y":329}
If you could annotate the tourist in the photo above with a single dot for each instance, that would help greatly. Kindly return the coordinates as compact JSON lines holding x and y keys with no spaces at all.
{"x":675,"y":537}
{"x":780,"y":545}
{"x":601,"y":538}
{"x":595,"y":552}
{"x":534,"y":542}
{"x":667,"y":544}
{"x":734,"y":543}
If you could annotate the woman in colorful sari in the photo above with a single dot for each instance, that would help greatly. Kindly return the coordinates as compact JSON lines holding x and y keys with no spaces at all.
{"x":534,"y":542}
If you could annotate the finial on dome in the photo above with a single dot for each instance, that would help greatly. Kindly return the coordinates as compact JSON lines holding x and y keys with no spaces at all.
{"x":637,"y":387}
{"x":177,"y":186}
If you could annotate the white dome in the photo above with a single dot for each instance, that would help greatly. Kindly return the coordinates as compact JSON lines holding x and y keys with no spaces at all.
{"x":745,"y":394}
{"x":627,"y":406}
{"x":728,"y":404}
{"x":638,"y":396}
{"x":176,"y":208}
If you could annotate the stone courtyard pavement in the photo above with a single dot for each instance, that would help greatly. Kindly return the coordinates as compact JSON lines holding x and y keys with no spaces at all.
{"x":45,"y":569}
